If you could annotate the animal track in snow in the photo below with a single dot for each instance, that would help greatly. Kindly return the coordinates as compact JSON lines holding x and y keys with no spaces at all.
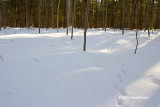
{"x":122,"y":67}
{"x":120,"y":98}
{"x":118,"y":82}
{"x":1,"y":58}
{"x":36,"y":60}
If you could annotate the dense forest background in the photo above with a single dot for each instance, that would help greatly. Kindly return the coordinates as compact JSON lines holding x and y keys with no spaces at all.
{"x":101,"y":14}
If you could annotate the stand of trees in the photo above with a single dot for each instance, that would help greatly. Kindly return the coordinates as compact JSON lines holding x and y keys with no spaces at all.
{"x":122,"y":14}
{"x":102,"y":13}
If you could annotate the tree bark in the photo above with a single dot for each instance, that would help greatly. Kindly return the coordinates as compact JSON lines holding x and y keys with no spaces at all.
{"x":4,"y":14}
{"x":123,"y":19}
{"x":82,"y":12}
{"x":39,"y":15}
{"x":140,"y":17}
{"x":52,"y":2}
{"x":0,"y":15}
{"x":113,"y":15}
{"x":68,"y":14}
{"x":103,"y":21}
{"x":16,"y":13}
{"x":58,"y":15}
{"x":86,"y":25}
{"x":147,"y":18}
{"x":133,"y":14}
{"x":74,"y":10}
{"x":27,"y":2}
{"x":46,"y":5}
{"x":136,"y":27}
{"x":106,"y":15}
{"x":157,"y":25}
{"x":152,"y":19}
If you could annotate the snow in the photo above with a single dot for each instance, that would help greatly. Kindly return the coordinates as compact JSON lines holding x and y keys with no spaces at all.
{"x":51,"y":70}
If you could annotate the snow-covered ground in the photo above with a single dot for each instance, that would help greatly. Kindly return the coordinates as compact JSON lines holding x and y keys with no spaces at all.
{"x":51,"y":70}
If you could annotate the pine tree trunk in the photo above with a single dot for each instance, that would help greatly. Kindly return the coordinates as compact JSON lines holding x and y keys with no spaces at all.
{"x":52,"y":2}
{"x":86,"y":25}
{"x":147,"y":18}
{"x":16,"y":13}
{"x":103,"y":21}
{"x":152,"y":19}
{"x":82,"y":12}
{"x":140,"y":17}
{"x":4,"y":14}
{"x":64,"y":15}
{"x":74,"y":10}
{"x":28,"y":13}
{"x":133,"y":14}
{"x":136,"y":27}
{"x":157,"y":25}
{"x":92,"y":16}
{"x":106,"y":16}
{"x":68,"y":14}
{"x":113,"y":15}
{"x":58,"y":15}
{"x":39,"y":15}
{"x":123,"y":19}
{"x":46,"y":5}
{"x":0,"y":15}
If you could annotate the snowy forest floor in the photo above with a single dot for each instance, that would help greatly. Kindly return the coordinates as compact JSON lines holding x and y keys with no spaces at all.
{"x":51,"y":70}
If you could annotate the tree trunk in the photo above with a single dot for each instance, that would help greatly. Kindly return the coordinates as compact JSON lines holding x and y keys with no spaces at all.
{"x":136,"y":27}
{"x":103,"y":21}
{"x":113,"y":15}
{"x":152,"y":19}
{"x":64,"y":15}
{"x":123,"y":19}
{"x":157,"y":25}
{"x":39,"y":15}
{"x":16,"y":13}
{"x":74,"y":10}
{"x":140,"y":17}
{"x":52,"y":2}
{"x":96,"y":15}
{"x":27,"y":2}
{"x":0,"y":15}
{"x":106,"y":16}
{"x":82,"y":12}
{"x":68,"y":14}
{"x":58,"y":15}
{"x":86,"y":25}
{"x":4,"y":14}
{"x":133,"y":14}
{"x":46,"y":5}
{"x":147,"y":18}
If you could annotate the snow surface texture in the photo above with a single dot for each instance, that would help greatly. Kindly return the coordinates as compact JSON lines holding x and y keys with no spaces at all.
{"x":51,"y":70}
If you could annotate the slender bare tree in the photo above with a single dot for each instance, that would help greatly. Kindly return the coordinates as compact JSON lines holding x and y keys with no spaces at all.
{"x":136,"y":26}
{"x":74,"y":10}
{"x":52,"y":2}
{"x":27,"y":2}
{"x":46,"y":5}
{"x":82,"y":14}
{"x":15,"y":13}
{"x":86,"y":25}
{"x":39,"y":15}
{"x":4,"y":14}
{"x":152,"y":19}
{"x":68,"y":13}
{"x":106,"y":6}
{"x":147,"y":18}
{"x":0,"y":15}
{"x":123,"y":18}
{"x":58,"y":15}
